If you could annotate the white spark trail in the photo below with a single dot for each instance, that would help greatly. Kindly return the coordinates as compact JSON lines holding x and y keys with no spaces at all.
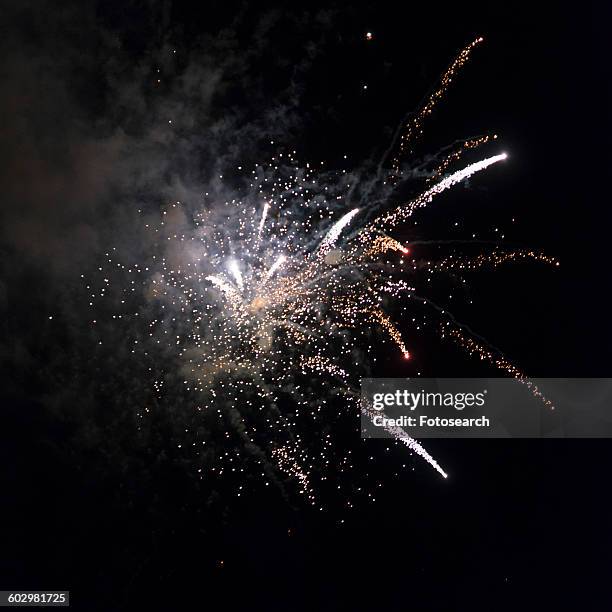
{"x":399,"y":434}
{"x":225,"y":287}
{"x":336,"y":230}
{"x":275,"y":266}
{"x":236,"y":273}
{"x":425,"y":198}
{"x":264,"y":214}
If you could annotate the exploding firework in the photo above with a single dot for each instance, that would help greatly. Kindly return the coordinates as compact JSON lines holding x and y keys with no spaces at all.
{"x":269,"y":303}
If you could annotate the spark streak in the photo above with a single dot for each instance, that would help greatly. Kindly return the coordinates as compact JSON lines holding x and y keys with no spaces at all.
{"x":276,"y":265}
{"x":264,"y":215}
{"x":399,"y":434}
{"x":336,"y":230}
{"x":236,"y":273}
{"x":403,"y":212}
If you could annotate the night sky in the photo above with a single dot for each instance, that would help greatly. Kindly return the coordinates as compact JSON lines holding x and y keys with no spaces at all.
{"x":108,"y":107}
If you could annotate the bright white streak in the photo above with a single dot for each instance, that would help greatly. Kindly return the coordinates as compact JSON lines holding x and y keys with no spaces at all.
{"x":406,"y":210}
{"x":225,"y":287}
{"x":399,"y":434}
{"x":276,"y":265}
{"x":236,"y":273}
{"x":264,"y":214}
{"x":336,"y":230}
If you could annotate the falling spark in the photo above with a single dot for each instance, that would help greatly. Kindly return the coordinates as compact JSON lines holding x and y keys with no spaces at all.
{"x":414,"y":127}
{"x":466,"y":145}
{"x":496,"y":258}
{"x":382,"y":244}
{"x":475,"y":348}
{"x":399,"y":434}
{"x":264,"y":215}
{"x":336,"y":230}
{"x":236,"y":273}
{"x":229,"y":291}
{"x":392,"y":330}
{"x":403,"y":212}
{"x":276,"y":265}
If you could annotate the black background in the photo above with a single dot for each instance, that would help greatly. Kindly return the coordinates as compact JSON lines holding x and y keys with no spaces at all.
{"x":519,"y":524}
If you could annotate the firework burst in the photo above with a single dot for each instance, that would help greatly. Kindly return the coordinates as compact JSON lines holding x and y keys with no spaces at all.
{"x":270,"y":302}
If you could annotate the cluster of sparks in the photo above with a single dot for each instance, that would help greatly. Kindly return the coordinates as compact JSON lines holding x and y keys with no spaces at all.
{"x":255,"y":299}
